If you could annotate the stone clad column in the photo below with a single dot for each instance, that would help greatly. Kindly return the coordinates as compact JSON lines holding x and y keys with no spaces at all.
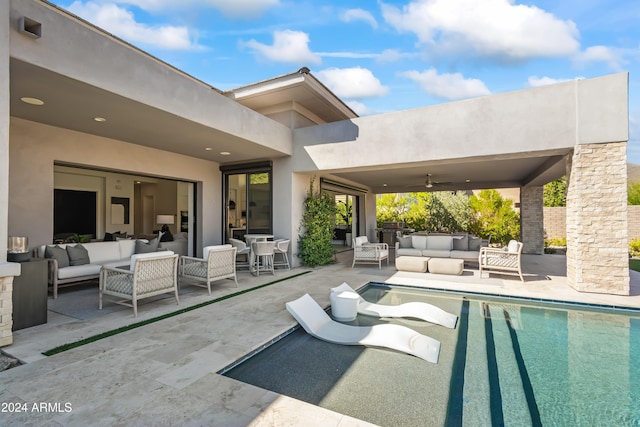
{"x":597,"y":241}
{"x":532,"y":219}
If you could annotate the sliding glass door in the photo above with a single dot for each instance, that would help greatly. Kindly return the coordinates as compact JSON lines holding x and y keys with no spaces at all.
{"x":248,"y":200}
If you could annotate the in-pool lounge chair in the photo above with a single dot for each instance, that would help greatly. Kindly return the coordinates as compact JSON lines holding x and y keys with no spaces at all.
{"x":419,"y":310}
{"x":317,"y":323}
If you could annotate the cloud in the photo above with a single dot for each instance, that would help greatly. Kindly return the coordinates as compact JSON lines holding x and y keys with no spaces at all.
{"x":494,"y":29}
{"x":359,"y":15}
{"x":288,"y":46}
{"x":352,"y":83}
{"x":447,"y":86}
{"x":357,"y":106}
{"x":613,"y":57}
{"x":122,"y":23}
{"x":535,"y":81}
{"x":232,"y":9}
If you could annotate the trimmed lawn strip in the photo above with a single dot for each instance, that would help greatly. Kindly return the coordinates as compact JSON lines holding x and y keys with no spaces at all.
{"x":634,"y":264}
{"x":102,"y":335}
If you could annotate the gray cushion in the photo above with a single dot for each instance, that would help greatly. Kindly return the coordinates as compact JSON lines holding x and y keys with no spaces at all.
{"x":418,"y":242}
{"x":439,"y":243}
{"x":78,"y":255}
{"x":474,"y":243}
{"x":144,"y":247}
{"x":461,"y":242}
{"x":57,"y":253}
{"x":405,"y":242}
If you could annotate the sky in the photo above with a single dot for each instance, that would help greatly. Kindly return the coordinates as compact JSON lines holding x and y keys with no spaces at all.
{"x":382,"y":56}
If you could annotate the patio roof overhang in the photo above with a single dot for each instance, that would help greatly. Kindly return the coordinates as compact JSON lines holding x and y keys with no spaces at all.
{"x":513,"y":139}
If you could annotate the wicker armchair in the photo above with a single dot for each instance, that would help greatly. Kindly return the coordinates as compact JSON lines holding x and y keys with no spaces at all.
{"x":218,"y":262}
{"x":369,"y":253}
{"x":150,"y":274}
{"x":502,"y":259}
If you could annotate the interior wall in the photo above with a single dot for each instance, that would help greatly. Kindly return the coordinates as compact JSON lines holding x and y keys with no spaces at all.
{"x":35,"y":147}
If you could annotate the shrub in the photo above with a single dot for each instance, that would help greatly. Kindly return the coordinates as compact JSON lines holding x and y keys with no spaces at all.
{"x":556,"y":241}
{"x":317,"y":225}
{"x":634,"y":248}
{"x":494,"y":216}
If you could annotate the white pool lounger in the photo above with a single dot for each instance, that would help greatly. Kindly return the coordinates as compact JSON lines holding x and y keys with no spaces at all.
{"x":317,"y":323}
{"x":419,"y":310}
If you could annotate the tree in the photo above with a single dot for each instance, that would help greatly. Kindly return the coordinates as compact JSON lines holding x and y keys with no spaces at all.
{"x":390,"y":207}
{"x":633,"y":192}
{"x":494,"y":216}
{"x":555,"y":192}
{"x":314,"y":243}
{"x":439,"y":211}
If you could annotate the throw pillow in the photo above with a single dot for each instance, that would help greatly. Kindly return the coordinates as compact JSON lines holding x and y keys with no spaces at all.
{"x":143,"y":247}
{"x":405,"y":241}
{"x":78,"y":255}
{"x":461,"y":242}
{"x":166,"y":236}
{"x":108,"y":237}
{"x":57,"y":253}
{"x":475,"y":243}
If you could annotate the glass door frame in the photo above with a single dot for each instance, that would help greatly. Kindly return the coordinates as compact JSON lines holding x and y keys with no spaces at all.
{"x":246,"y":169}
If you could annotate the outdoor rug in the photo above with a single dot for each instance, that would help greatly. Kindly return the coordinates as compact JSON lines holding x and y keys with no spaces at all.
{"x":81,"y":301}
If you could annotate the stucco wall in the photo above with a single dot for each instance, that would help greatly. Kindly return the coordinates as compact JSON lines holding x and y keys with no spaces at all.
{"x":35,"y":147}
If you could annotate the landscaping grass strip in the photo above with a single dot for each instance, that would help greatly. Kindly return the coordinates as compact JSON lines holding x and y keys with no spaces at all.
{"x":634,"y":264}
{"x":102,"y":335}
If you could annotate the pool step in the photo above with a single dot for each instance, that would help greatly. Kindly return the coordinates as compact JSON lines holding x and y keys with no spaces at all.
{"x":497,"y":390}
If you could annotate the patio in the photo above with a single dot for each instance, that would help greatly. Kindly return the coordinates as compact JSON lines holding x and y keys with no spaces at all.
{"x":165,"y":372}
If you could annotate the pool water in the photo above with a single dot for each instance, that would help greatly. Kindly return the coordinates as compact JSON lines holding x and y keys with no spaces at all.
{"x":509,"y":362}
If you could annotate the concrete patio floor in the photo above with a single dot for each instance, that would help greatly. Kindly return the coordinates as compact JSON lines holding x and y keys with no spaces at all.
{"x":165,"y":372}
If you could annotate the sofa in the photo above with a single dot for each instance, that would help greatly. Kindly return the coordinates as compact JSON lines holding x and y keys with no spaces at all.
{"x":457,"y":246}
{"x":75,"y":262}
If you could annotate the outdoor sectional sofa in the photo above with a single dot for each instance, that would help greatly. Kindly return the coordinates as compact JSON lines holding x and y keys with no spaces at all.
{"x":69,"y":264}
{"x":456,"y":246}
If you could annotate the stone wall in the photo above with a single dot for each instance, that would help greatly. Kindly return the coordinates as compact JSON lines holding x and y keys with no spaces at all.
{"x":555,"y":222}
{"x":532,"y":219}
{"x":597,"y":242}
{"x":6,"y":310}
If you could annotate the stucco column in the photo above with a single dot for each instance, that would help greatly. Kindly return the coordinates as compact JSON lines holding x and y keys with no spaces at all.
{"x":597,"y":241}
{"x":532,"y":219}
{"x":7,"y":270}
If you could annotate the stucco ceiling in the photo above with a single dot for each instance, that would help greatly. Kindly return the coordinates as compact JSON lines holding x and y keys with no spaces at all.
{"x":71,"y":104}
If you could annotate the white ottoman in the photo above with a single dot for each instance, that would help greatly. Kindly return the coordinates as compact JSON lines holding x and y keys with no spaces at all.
{"x":446,"y":266}
{"x":412,"y":263}
{"x":344,"y":305}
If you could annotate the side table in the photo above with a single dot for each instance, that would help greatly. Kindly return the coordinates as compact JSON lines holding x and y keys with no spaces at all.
{"x":29,"y":296}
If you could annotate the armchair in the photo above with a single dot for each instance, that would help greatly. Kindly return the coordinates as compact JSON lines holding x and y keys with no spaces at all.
{"x":218,"y":262}
{"x":504,"y":259}
{"x":149,"y":274}
{"x":369,"y":253}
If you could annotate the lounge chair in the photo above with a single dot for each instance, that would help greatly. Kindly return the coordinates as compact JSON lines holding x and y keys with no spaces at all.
{"x":317,"y":323}
{"x":419,"y":310}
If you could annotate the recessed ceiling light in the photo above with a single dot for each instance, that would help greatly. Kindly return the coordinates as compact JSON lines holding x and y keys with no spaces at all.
{"x":225,"y":153}
{"x":384,"y":185}
{"x":208,"y":149}
{"x":32,"y":101}
{"x":100,"y":119}
{"x":467,"y":180}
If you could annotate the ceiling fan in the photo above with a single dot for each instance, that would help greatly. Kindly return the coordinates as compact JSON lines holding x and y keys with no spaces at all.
{"x":429,"y":183}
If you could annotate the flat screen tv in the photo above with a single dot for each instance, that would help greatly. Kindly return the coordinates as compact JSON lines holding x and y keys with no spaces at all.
{"x":74,"y":212}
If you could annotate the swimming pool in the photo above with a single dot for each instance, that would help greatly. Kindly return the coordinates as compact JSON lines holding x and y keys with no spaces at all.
{"x":511,"y":362}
